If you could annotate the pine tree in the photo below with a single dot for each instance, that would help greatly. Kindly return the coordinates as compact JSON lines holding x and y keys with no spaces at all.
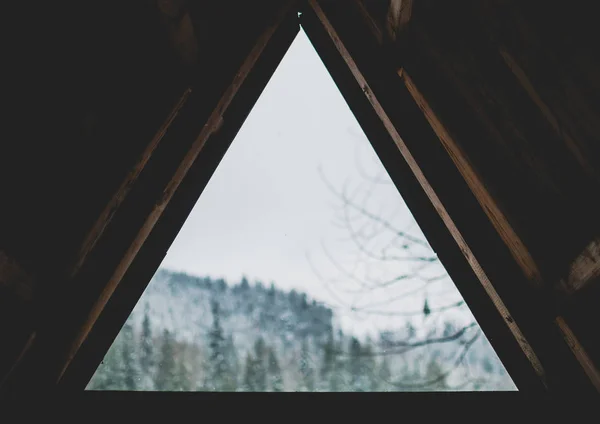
{"x":369,"y":378}
{"x":355,"y":369}
{"x":384,"y":375}
{"x":182,"y":371}
{"x":107,"y":375}
{"x":274,"y":373}
{"x":222,"y":360}
{"x":306,"y":368}
{"x":329,"y":359}
{"x":426,"y":308}
{"x":337,"y":376}
{"x":248,"y":383}
{"x":255,"y":376}
{"x":166,"y":375}
{"x":230,"y":381}
{"x":260,"y":368}
{"x":271,"y":293}
{"x":128,"y":364}
{"x":147,"y":354}
{"x":244,"y":284}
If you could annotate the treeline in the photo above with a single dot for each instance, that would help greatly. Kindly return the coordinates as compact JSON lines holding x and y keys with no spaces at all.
{"x":259,"y":338}
{"x":144,"y":360}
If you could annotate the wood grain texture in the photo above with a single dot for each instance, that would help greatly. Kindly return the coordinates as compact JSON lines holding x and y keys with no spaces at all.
{"x":585,"y":269}
{"x":528,"y":351}
{"x":497,"y":217}
{"x":105,"y":217}
{"x":580,"y":353}
{"x":212,"y":125}
{"x":399,"y":14}
{"x":491,"y":94}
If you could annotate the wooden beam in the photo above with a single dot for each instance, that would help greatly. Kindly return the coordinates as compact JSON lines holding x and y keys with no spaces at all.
{"x":399,"y":14}
{"x":580,"y":352}
{"x":491,"y":208}
{"x":211,"y":126}
{"x":180,"y":29}
{"x":154,"y":249}
{"x":113,"y":205}
{"x":430,"y":192}
{"x":536,"y":333}
{"x":73,"y":305}
{"x":585,"y":268}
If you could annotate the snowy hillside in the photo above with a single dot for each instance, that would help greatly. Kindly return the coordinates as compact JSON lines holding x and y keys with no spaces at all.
{"x":267,"y":339}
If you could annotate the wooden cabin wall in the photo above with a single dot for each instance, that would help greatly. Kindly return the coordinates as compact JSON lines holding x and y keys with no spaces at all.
{"x":89,"y":85}
{"x":511,"y":88}
{"x":94,"y":87}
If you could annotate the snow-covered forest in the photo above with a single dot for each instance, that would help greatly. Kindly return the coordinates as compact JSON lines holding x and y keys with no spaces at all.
{"x":192,"y":333}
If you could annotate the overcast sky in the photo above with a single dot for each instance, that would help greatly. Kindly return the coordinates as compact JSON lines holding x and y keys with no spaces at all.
{"x":267,"y":213}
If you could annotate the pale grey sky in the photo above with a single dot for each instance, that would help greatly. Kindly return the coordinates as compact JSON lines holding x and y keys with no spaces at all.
{"x":266,"y":210}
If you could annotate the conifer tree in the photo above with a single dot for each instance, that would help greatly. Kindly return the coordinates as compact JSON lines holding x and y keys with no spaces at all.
{"x":274,"y":373}
{"x":129,"y":371}
{"x":107,"y":376}
{"x":221,"y":372}
{"x":182,"y":371}
{"x":338,"y":380}
{"x":255,"y":376}
{"x":147,"y":353}
{"x":329,"y":362}
{"x":249,"y":377}
{"x":307,"y":371}
{"x":230,"y":380}
{"x":260,"y":366}
{"x":166,"y":375}
{"x":355,"y":368}
{"x":384,"y":375}
{"x":368,"y":367}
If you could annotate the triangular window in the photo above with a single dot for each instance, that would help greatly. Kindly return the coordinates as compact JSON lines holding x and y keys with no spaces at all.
{"x":301,"y":269}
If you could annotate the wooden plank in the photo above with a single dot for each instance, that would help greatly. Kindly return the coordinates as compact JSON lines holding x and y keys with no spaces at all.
{"x":399,"y":14}
{"x":562,"y":370}
{"x":585,"y":269}
{"x":108,"y":90}
{"x":485,"y":100}
{"x":155,"y":247}
{"x":109,"y":211}
{"x":416,"y":199}
{"x":420,"y":205}
{"x":580,"y":353}
{"x":432,"y":195}
{"x":549,"y":114}
{"x":17,"y":361}
{"x":212,"y":125}
{"x":513,"y":114}
{"x":489,"y":205}
{"x":558,"y":69}
{"x":375,"y":27}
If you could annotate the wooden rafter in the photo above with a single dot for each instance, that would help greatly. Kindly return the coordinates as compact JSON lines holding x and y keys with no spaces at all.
{"x":448,"y":108}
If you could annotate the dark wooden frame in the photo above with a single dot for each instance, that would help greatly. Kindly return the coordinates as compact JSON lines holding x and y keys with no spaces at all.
{"x":260,"y":66}
{"x":443,"y":203}
{"x":499,"y":271}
